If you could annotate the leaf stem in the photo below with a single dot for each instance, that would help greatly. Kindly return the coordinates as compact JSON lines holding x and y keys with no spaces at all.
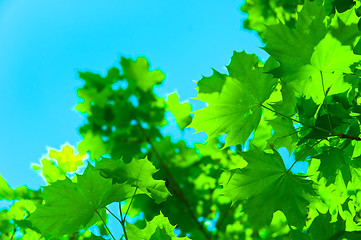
{"x":177,"y":188}
{"x":120,"y":211}
{"x":294,"y":120}
{"x":341,"y":135}
{"x":325,"y":103}
{"x":131,"y":201}
{"x":14,"y":231}
{"x":316,"y":143}
{"x":105,"y":225}
{"x":288,"y":135}
{"x":113,"y":215}
{"x":123,"y":221}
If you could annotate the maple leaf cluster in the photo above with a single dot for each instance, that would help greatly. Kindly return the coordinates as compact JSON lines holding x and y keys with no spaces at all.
{"x":303,"y":102}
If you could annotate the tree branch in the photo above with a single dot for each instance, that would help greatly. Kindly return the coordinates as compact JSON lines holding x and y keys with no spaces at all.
{"x":177,"y":188}
{"x":221,"y":220}
{"x":294,"y":120}
{"x":341,"y":135}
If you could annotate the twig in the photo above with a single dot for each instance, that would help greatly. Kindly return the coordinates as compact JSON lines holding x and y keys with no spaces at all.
{"x":131,"y":201}
{"x":341,"y":135}
{"x":294,"y":120}
{"x":288,"y":135}
{"x":113,"y":215}
{"x":325,"y":102}
{"x":123,"y":221}
{"x":105,"y":225}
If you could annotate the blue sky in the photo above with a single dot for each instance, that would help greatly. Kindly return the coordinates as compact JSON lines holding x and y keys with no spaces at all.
{"x":44,"y":43}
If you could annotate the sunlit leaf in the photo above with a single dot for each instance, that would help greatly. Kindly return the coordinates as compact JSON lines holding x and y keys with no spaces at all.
{"x":66,"y":158}
{"x":158,"y":228}
{"x":69,"y":207}
{"x":236,"y":110}
{"x":138,"y":173}
{"x":6,"y":192}
{"x":138,"y":71}
{"x":181,"y":111}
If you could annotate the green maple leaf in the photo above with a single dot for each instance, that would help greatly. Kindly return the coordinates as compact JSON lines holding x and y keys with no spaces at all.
{"x":342,"y":5}
{"x":322,"y":228}
{"x":237,"y":109}
{"x":138,"y":71}
{"x":212,"y":84}
{"x":289,"y":101}
{"x":92,"y":97}
{"x":328,"y":64}
{"x":357,"y":49}
{"x":332,"y":163}
{"x":5,"y":225}
{"x":344,"y":27}
{"x":49,"y":171}
{"x":299,"y":235}
{"x":20,"y":209}
{"x":138,"y":173}
{"x":159,"y":228}
{"x":93,"y":144}
{"x":263,"y":13}
{"x":160,"y":234}
{"x":293,"y":48}
{"x":96,"y":81}
{"x":311,"y":61}
{"x":267,"y":186}
{"x":181,"y":111}
{"x":323,"y":122}
{"x":31,"y":235}
{"x":69,"y":207}
{"x":6,"y":192}
{"x":66,"y":158}
{"x":284,"y":134}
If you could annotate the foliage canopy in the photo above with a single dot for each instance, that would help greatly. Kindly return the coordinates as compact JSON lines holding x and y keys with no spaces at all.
{"x":305,"y":98}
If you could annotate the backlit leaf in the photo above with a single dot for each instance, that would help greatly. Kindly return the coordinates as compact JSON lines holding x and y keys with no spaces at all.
{"x":6,"y":192}
{"x":138,"y":173}
{"x":138,"y":71}
{"x":181,"y":111}
{"x":66,"y":158}
{"x":158,"y":228}
{"x":69,"y":207}
{"x":236,"y":110}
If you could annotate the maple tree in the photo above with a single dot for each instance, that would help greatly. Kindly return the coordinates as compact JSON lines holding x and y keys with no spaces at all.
{"x":305,"y":98}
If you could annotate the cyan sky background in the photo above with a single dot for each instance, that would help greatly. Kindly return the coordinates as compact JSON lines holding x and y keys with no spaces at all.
{"x":43,"y":43}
